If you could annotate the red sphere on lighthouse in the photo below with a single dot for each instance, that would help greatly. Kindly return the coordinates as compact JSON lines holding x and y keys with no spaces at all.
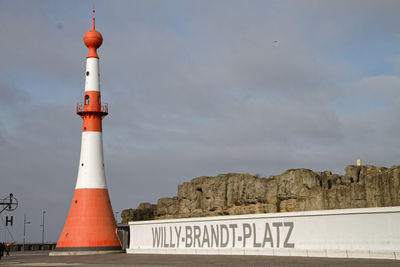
{"x":90,"y":226}
{"x":93,"y":40}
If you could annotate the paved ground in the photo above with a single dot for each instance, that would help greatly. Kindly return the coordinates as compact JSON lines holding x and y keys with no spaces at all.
{"x":41,"y":258}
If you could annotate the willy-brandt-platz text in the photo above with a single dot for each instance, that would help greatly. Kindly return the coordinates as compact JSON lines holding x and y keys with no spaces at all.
{"x":232,"y":235}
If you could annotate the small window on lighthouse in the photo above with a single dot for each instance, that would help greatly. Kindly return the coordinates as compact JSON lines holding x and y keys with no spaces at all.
{"x":87,"y":73}
{"x":86,"y":100}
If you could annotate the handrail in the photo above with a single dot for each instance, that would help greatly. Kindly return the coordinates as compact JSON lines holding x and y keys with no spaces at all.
{"x":80,"y":108}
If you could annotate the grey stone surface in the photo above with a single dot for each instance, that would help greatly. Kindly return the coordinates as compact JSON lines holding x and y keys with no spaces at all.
{"x":121,"y":259}
{"x":294,"y":190}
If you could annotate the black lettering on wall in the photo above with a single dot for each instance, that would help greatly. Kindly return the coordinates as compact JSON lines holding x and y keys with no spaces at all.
{"x":172,"y":245}
{"x":166,"y":245}
{"x":255,"y":244}
{"x":224,"y":228}
{"x":196,"y":236}
{"x":178,"y":234}
{"x":206,"y":238}
{"x":233,"y":227}
{"x":246,"y":233}
{"x":286,"y":244}
{"x":277,"y":225}
{"x":268,"y":236}
{"x":214,"y":236}
{"x":220,"y":235}
{"x":156,"y":236}
{"x":189,"y":239}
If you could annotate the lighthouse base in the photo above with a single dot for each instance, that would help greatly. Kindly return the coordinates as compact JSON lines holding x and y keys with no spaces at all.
{"x":90,"y":227}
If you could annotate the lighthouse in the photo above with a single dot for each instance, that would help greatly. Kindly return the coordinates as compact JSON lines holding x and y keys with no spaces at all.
{"x":90,"y":226}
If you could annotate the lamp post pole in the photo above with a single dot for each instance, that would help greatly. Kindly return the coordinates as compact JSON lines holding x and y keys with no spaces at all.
{"x":43,"y":213}
{"x":25,"y":223}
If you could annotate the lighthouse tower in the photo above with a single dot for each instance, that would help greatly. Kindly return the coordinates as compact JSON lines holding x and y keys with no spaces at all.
{"x":90,"y":226}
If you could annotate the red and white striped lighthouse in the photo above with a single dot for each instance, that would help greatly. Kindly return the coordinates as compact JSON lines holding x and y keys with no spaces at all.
{"x":90,"y":226}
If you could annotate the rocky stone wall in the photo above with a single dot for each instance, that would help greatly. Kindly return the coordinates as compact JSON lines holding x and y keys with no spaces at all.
{"x":294,"y":190}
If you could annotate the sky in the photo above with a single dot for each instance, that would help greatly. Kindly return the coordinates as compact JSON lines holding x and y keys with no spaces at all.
{"x":195,"y":88}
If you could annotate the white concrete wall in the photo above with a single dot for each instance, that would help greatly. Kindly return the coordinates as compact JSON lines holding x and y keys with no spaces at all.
{"x":355,"y":233}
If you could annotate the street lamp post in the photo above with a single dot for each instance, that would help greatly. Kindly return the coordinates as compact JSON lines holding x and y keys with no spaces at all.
{"x":25,"y":223}
{"x":43,"y":213}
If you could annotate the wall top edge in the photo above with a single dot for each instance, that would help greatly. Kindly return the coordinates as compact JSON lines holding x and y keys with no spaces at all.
{"x":274,"y":215}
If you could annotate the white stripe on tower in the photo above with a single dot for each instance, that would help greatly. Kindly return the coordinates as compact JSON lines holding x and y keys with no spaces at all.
{"x":92,"y":82}
{"x":91,"y":166}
